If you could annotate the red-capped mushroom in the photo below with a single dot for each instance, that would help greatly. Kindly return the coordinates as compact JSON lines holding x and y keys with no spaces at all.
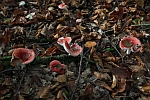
{"x":26,"y":55}
{"x":130,"y":43}
{"x":57,"y":67}
{"x":61,"y":40}
{"x":73,"y":50}
{"x":62,"y":6}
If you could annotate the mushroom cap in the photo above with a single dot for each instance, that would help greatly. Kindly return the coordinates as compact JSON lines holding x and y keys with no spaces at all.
{"x":75,"y":50}
{"x":128,"y":42}
{"x":62,"y":6}
{"x":61,"y":40}
{"x":56,"y":66}
{"x":26,"y":55}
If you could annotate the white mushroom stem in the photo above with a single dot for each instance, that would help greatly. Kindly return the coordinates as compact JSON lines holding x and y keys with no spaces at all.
{"x":128,"y":51}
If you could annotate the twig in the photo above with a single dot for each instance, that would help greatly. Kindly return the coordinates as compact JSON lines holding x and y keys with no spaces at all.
{"x":114,"y":46}
{"x":79,"y":75}
{"x":20,"y":83}
{"x":141,"y":25}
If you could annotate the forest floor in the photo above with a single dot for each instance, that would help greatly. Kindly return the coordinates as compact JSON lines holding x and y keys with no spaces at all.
{"x":101,"y":48}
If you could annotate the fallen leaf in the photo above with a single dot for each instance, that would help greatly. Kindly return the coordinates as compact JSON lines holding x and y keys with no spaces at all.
{"x":62,"y":78}
{"x":114,"y":82}
{"x":140,"y":3}
{"x":145,"y":88}
{"x":121,"y":72}
{"x":90,"y":44}
{"x":3,"y":90}
{"x":45,"y":92}
{"x":98,"y":59}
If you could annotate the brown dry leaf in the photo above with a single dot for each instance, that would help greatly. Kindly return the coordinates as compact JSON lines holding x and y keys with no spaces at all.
{"x":62,"y":78}
{"x":109,"y":1}
{"x":94,"y":17}
{"x":38,"y":49}
{"x":20,"y":97}
{"x":121,"y":86}
{"x":62,"y":30}
{"x":18,"y":12}
{"x":45,"y":31}
{"x":113,"y":64}
{"x":139,"y":61}
{"x":103,"y":84}
{"x":145,"y":88}
{"x":102,"y":76}
{"x":121,"y":72}
{"x":111,"y":59}
{"x":2,"y":41}
{"x":140,"y":3}
{"x":98,"y":59}
{"x":3,"y":90}
{"x":90,"y":44}
{"x":81,"y":28}
{"x":1,"y":65}
{"x":8,"y":82}
{"x":46,"y":92}
{"x":60,"y":95}
{"x":89,"y":91}
{"x":143,"y":97}
{"x":114,"y":82}
{"x":137,"y":68}
{"x":51,"y":50}
{"x":16,"y":62}
{"x":37,"y":80}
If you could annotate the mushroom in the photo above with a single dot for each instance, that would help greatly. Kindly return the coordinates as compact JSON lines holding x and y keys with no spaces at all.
{"x":25,"y":55}
{"x":61,"y":40}
{"x":56,"y":66}
{"x":73,"y":50}
{"x":130,"y":43}
{"x":62,"y":6}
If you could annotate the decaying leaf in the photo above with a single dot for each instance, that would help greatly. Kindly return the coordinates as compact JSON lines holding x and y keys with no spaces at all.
{"x":46,"y":92}
{"x":102,"y":76}
{"x":62,"y":78}
{"x":98,"y":59}
{"x":145,"y":88}
{"x":20,"y":97}
{"x":51,"y":50}
{"x":103,"y":84}
{"x":90,"y":44}
{"x":3,"y":90}
{"x":121,"y":72}
{"x":114,"y":82}
{"x":140,"y":3}
{"x":16,"y":62}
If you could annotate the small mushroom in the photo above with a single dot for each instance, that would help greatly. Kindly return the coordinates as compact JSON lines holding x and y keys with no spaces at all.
{"x":25,"y":55}
{"x":62,"y":6}
{"x":57,"y":67}
{"x":61,"y":41}
{"x":130,"y":43}
{"x":73,"y":49}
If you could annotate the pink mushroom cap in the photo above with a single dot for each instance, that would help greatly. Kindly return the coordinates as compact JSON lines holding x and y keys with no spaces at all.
{"x":62,"y":40}
{"x":73,"y":50}
{"x":128,"y":42}
{"x":26,"y":55}
{"x":62,"y":6}
{"x":56,"y":66}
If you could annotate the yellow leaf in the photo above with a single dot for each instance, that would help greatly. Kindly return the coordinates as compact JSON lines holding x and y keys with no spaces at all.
{"x":90,"y":44}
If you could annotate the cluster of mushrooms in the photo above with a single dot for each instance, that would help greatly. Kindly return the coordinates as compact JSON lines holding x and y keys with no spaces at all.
{"x":128,"y":43}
